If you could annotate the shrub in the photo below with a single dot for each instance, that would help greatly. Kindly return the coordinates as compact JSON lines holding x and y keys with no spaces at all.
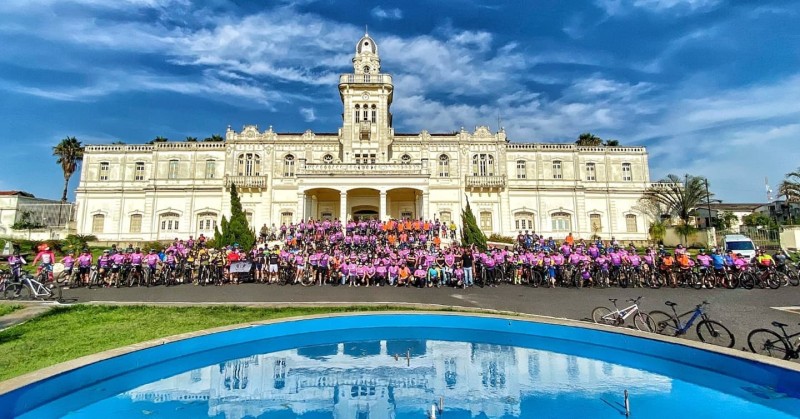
{"x":146,"y":246}
{"x":502,"y":239}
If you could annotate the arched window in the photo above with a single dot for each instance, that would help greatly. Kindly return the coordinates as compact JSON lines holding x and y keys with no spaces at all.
{"x":288,"y":166}
{"x":557,"y":173}
{"x":445,"y":216}
{"x":522,"y":169}
{"x":170,"y":221}
{"x":444,"y":166}
{"x":562,"y":221}
{"x":206,"y":222}
{"x":358,"y":113}
{"x":287,"y":217}
{"x":595,"y":223}
{"x":98,"y":223}
{"x":631,"y":225}
{"x":135,"y":223}
{"x":374,"y":110}
{"x":249,"y":164}
{"x":249,"y":216}
{"x":523,"y":221}
{"x":483,"y":165}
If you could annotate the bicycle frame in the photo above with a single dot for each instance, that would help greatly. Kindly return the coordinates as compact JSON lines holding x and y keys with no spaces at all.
{"x":684,"y":327}
{"x":36,"y":287}
{"x":627,"y":311}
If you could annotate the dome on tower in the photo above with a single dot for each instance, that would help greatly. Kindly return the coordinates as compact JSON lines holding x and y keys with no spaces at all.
{"x":366,"y":44}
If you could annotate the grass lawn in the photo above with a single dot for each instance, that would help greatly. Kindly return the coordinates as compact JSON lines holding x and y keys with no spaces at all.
{"x":66,"y":333}
{"x":8,"y":308}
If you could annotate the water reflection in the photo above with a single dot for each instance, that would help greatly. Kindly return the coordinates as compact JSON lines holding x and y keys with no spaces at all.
{"x":389,"y":379}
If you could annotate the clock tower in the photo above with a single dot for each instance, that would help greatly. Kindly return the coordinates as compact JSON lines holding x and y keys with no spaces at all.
{"x":366,"y":93}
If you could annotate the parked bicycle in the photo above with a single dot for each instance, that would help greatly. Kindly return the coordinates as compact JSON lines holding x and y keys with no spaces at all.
{"x":29,"y":288}
{"x":708,"y":331}
{"x":769,"y":343}
{"x":617,"y":317}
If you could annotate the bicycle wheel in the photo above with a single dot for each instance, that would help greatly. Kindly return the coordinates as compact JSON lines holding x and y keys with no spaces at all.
{"x":12,"y":291}
{"x":713,"y":332}
{"x":664,"y":323}
{"x":643,"y":321}
{"x":536,"y":279}
{"x":775,"y":279}
{"x":306,"y":279}
{"x":602,"y":315}
{"x":623,"y":280}
{"x":768,"y":343}
{"x":696,"y":281}
{"x":794,"y":278}
{"x":654,"y":281}
{"x":731,"y":281}
{"x":25,"y":292}
{"x":748,"y":281}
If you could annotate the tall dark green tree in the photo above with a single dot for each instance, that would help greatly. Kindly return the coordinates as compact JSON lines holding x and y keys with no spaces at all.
{"x":470,"y":232}
{"x":235,"y":231}
{"x":69,"y":152}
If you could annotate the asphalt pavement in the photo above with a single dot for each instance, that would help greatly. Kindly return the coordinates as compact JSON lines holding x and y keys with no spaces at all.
{"x":740,"y":310}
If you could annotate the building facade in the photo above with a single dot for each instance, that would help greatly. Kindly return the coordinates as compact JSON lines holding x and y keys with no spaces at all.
{"x":365,"y":169}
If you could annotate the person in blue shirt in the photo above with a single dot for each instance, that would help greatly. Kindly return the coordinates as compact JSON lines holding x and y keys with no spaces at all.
{"x":718,"y":260}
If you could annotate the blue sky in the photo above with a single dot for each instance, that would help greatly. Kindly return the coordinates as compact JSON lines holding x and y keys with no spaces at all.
{"x":711,"y":87}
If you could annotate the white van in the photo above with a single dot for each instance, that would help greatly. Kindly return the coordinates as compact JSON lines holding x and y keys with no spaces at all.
{"x":739,"y":243}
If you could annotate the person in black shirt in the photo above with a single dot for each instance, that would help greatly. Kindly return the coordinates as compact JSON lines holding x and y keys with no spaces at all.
{"x":466,"y":260}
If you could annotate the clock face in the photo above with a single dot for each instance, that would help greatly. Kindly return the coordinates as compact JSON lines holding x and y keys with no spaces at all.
{"x":365,"y":96}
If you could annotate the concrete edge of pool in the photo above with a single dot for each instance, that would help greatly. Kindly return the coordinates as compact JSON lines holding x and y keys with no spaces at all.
{"x":37,"y":377}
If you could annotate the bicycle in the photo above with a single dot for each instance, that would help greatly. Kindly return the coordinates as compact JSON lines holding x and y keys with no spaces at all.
{"x":29,"y":288}
{"x":708,"y":331}
{"x":767,"y":342}
{"x":641,"y":320}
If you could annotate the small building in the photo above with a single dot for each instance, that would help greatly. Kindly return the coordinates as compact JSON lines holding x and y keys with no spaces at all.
{"x":738,"y":209}
{"x":46,"y":215}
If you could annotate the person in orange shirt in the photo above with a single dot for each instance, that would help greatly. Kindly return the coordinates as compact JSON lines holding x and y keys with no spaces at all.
{"x":437,"y":241}
{"x":416,"y":225}
{"x":667,"y":262}
{"x":400,"y":227}
{"x":570,"y":240}
{"x":402,"y":275}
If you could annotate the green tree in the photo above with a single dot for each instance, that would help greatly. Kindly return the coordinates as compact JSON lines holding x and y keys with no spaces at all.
{"x":215,"y":137}
{"x":679,"y":197}
{"x":724,"y":220}
{"x":790,"y":187}
{"x":758,"y":219}
{"x":470,"y":232}
{"x":26,"y":222}
{"x":235,"y":231}
{"x":587,"y":139}
{"x":657,"y":231}
{"x":69,"y":152}
{"x":191,"y":139}
{"x":612,"y":143}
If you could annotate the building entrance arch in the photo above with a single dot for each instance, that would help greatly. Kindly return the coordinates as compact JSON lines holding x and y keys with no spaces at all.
{"x":323,"y":204}
{"x":365,"y":212}
{"x":404,"y":203}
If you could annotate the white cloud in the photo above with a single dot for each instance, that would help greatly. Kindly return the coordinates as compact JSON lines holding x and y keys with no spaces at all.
{"x":392,"y":14}
{"x":622,"y":7}
{"x":308,"y":114}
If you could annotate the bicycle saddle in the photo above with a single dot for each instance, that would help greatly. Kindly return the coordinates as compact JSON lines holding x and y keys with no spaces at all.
{"x":613,"y":300}
{"x":778,"y":324}
{"x":670,"y":303}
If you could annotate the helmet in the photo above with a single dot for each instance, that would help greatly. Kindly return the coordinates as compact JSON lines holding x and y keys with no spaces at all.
{"x":106,"y":251}
{"x":702,"y":250}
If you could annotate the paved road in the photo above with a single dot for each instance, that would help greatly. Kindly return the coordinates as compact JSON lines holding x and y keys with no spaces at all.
{"x":740,"y":310}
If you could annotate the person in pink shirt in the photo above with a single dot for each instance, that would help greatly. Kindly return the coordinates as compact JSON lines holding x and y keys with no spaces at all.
{"x":48,"y":259}
{"x":69,"y":263}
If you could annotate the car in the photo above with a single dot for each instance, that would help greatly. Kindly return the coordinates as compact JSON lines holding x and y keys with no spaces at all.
{"x":739,"y":243}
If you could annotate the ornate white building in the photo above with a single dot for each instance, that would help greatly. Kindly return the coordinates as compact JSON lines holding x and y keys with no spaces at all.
{"x":374,"y":379}
{"x":172,"y":189}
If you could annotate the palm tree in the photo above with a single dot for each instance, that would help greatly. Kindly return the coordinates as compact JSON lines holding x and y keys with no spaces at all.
{"x":612,"y":143}
{"x":680,"y":197}
{"x":69,"y":152}
{"x":790,"y":187}
{"x":191,"y":139}
{"x":588,"y":139}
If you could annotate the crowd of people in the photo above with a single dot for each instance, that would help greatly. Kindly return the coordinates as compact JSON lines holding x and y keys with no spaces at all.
{"x":417,"y":253}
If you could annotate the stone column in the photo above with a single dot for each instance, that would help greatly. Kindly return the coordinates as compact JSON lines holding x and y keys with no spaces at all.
{"x":426,"y":197}
{"x":314,"y":207}
{"x":301,"y":206}
{"x":382,"y":208}
{"x":343,"y":207}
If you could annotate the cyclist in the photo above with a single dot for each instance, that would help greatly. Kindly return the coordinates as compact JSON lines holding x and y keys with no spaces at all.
{"x":666,"y":263}
{"x":48,"y":258}
{"x":719,"y":264}
{"x":103,"y":266}
{"x":635,"y":263}
{"x":15,"y":262}
{"x":272,"y":261}
{"x":84,"y":265}
{"x":764,"y":261}
{"x":117,"y":259}
{"x":68,"y":261}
